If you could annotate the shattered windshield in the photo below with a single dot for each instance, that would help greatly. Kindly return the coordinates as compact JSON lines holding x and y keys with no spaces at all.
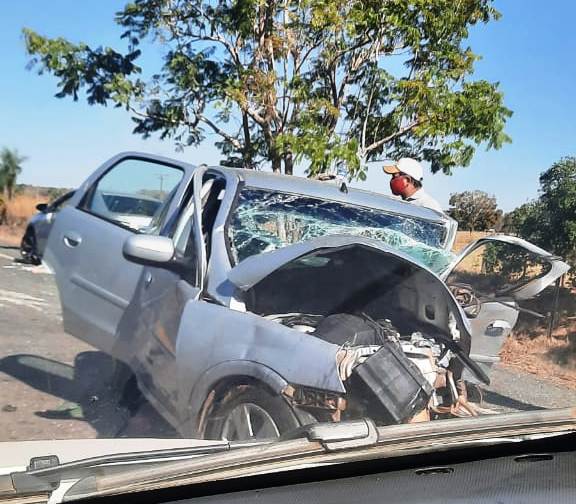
{"x":268,"y":220}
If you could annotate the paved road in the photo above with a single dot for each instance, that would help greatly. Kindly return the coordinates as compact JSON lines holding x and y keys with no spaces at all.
{"x":52,"y":384}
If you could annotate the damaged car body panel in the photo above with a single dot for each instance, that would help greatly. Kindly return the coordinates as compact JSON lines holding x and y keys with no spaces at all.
{"x":236,"y":345}
{"x":490,"y":277}
{"x":517,"y":249}
{"x":273,"y":298}
{"x":327,"y":285}
{"x":361,"y":270}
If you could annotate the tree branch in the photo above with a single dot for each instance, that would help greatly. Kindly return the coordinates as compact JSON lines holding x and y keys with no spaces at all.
{"x":399,"y":133}
{"x":234,"y":141}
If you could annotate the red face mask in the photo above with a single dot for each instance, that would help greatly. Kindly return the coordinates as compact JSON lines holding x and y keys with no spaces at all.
{"x":398,"y":185}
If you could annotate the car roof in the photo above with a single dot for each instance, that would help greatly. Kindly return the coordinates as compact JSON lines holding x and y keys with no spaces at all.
{"x":331,"y":190}
{"x":301,"y":185}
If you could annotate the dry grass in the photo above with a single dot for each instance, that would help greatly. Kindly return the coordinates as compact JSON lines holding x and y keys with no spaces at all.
{"x":463,"y":238}
{"x":551,"y":358}
{"x":11,"y":235}
{"x":22,"y":206}
{"x":18,"y":210}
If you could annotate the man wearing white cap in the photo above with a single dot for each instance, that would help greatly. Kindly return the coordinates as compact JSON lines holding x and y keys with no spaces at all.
{"x":406,"y":182}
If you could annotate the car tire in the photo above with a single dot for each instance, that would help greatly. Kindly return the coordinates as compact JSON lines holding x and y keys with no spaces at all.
{"x":28,"y":249}
{"x":252,"y":412}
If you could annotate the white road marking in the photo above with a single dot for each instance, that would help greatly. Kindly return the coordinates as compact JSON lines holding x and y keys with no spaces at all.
{"x":40,"y":269}
{"x":20,"y":299}
{"x":4,"y":256}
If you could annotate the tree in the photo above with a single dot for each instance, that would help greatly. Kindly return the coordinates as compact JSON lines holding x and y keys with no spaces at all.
{"x":331,"y":82}
{"x":526,"y":219}
{"x":550,"y":220}
{"x":10,"y":168}
{"x":474,"y":210}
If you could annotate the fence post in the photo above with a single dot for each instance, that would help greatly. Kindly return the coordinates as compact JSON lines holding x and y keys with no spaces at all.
{"x":554,"y":313}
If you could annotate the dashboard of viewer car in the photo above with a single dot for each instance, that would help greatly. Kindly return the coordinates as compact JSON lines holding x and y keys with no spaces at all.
{"x":533,"y":471}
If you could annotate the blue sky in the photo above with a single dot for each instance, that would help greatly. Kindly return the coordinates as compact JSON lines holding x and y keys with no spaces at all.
{"x":530,"y":51}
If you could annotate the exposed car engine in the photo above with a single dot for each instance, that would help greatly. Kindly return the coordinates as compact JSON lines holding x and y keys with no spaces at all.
{"x":397,"y":378}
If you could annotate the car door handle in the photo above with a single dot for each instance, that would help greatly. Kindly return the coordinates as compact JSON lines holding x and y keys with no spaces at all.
{"x":148,"y":279}
{"x":72,"y":239}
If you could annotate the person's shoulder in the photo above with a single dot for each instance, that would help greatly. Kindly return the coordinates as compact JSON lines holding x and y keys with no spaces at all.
{"x":425,"y":199}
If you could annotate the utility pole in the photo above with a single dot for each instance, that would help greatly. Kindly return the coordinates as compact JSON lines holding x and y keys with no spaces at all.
{"x":162,"y":177}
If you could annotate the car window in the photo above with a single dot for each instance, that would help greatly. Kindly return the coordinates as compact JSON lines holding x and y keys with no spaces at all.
{"x":495,"y":268}
{"x":61,"y":202}
{"x":132,"y":192}
{"x":267,"y":220}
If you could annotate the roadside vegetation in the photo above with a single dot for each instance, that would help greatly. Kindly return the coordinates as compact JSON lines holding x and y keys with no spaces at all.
{"x":18,"y":201}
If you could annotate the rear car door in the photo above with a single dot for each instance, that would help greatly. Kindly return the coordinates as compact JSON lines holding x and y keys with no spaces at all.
{"x":490,"y":277}
{"x":84,"y":249}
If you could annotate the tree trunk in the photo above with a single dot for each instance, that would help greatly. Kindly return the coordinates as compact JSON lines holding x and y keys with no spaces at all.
{"x":276,"y":161}
{"x":288,"y":163}
{"x":273,"y":152}
{"x":247,"y":153}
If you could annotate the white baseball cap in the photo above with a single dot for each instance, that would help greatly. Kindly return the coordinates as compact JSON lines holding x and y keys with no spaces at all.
{"x":408,"y":166}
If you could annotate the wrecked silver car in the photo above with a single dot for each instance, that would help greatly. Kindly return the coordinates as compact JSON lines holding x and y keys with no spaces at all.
{"x":252,"y":303}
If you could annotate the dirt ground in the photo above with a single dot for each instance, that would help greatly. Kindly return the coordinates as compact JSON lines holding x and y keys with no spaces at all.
{"x":463,"y":238}
{"x":536,"y":353}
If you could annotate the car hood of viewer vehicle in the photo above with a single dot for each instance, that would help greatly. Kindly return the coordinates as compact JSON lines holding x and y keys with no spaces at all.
{"x":16,"y":455}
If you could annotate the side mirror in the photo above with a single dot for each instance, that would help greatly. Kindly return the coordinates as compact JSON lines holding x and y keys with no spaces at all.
{"x":42,"y":207}
{"x":149,"y":250}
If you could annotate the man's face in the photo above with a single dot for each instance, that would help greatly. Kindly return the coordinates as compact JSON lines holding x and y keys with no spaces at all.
{"x":400,"y":184}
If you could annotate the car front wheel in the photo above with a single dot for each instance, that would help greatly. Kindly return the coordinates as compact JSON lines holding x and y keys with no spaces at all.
{"x":250,"y":412}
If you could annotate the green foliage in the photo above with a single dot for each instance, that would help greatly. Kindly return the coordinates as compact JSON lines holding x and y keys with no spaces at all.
{"x":474,"y":210}
{"x":314,"y":81}
{"x":550,"y":221}
{"x":10,"y":168}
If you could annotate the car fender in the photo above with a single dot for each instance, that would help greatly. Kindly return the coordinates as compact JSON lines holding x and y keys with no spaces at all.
{"x":215,"y":341}
{"x":234,"y":370}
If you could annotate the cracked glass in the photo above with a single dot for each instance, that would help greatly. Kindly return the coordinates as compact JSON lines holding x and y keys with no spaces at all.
{"x":268,"y":220}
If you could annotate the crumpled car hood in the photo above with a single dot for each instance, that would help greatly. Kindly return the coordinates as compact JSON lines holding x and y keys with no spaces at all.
{"x":252,"y":270}
{"x":255,"y":268}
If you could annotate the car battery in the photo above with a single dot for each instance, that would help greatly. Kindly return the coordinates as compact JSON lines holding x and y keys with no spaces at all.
{"x":398,"y":384}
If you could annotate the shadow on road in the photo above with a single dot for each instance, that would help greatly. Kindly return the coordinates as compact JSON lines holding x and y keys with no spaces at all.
{"x":90,"y":393}
{"x":9,"y":247}
{"x":494,"y":398}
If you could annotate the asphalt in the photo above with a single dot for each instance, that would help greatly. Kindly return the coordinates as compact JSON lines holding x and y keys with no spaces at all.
{"x":53,"y":386}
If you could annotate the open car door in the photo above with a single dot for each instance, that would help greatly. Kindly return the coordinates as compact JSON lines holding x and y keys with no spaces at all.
{"x":95,"y":281}
{"x":490,"y":277}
